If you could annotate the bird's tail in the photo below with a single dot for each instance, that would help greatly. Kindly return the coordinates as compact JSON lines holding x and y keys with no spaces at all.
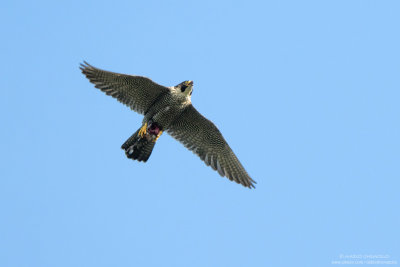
{"x":138,"y":148}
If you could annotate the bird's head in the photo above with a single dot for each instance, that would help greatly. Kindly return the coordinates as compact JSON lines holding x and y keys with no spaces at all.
{"x":185,"y":88}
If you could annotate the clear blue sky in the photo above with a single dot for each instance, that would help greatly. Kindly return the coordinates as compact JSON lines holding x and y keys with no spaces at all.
{"x":305,"y":92}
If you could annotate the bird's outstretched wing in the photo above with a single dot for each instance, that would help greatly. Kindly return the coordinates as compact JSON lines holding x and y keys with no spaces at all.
{"x":202,"y":137}
{"x":137,"y":92}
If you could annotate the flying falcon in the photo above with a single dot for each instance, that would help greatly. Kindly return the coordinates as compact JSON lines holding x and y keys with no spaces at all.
{"x":168,"y":109}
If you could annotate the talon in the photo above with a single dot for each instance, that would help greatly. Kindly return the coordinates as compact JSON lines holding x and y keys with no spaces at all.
{"x":158,"y":136}
{"x":143,"y":131}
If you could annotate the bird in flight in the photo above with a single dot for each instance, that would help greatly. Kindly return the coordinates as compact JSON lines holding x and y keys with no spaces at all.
{"x":168,"y":109}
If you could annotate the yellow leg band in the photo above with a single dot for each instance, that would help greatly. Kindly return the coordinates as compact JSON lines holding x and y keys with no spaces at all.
{"x":158,"y":136}
{"x":143,"y":130}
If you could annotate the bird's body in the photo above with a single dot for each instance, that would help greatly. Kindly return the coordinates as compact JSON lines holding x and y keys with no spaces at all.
{"x":168,"y":109}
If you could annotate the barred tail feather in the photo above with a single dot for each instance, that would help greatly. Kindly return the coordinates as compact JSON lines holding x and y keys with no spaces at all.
{"x":138,"y":148}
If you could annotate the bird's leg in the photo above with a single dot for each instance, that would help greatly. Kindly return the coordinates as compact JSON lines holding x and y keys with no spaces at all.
{"x":158,"y":136}
{"x":143,"y":130}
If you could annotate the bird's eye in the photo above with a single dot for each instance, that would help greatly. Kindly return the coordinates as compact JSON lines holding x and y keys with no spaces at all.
{"x":183,"y":88}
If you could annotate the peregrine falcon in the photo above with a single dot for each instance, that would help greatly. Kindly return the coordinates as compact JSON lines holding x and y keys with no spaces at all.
{"x":168,"y":109}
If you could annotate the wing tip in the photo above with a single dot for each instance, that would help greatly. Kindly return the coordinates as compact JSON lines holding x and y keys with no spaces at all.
{"x":84,"y":66}
{"x":251,"y":184}
{"x":247,"y":182}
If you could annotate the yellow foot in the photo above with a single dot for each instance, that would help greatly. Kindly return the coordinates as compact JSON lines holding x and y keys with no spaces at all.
{"x":158,"y":136}
{"x":143,"y":131}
